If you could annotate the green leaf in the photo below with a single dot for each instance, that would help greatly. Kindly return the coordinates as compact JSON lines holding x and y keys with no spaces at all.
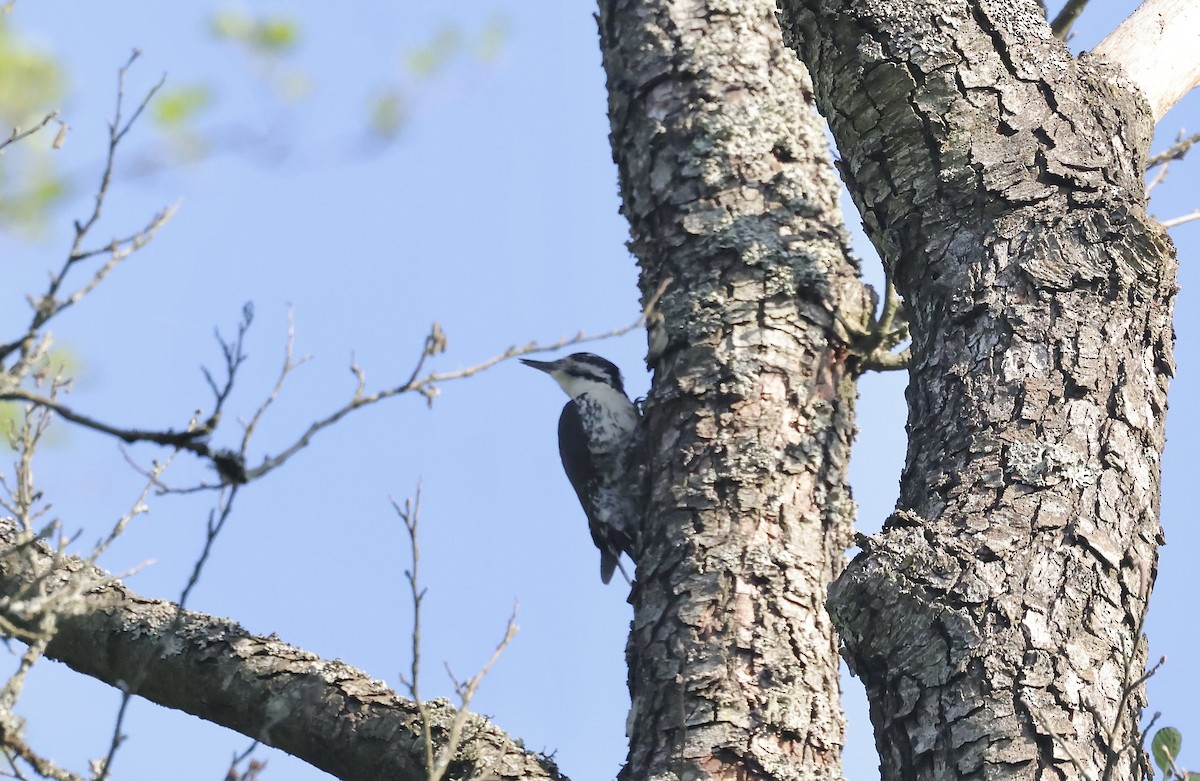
{"x":174,"y":107}
{"x":31,"y":81}
{"x":425,"y":61}
{"x":277,"y":35}
{"x":1165,"y":748}
{"x":232,"y":24}
{"x":31,"y":193}
{"x":388,"y":115}
{"x":266,"y":35}
{"x":492,"y":38}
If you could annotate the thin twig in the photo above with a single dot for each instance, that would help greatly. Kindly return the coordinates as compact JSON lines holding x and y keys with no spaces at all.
{"x":105,"y":765}
{"x":235,"y":356}
{"x":410,"y":514}
{"x":466,"y":693}
{"x":46,"y":306}
{"x":1176,"y":221}
{"x":216,"y":522}
{"x":139,"y":508}
{"x":231,"y":465}
{"x":290,"y":364}
{"x":1176,"y":151}
{"x":427,"y":385}
{"x":252,"y":770}
{"x":1160,"y":176}
{"x":437,"y":761}
{"x":17,"y":134}
{"x":15,"y":747}
{"x":1072,"y":757}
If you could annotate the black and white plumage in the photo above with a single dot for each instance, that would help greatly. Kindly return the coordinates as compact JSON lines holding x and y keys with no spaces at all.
{"x":597,"y":435}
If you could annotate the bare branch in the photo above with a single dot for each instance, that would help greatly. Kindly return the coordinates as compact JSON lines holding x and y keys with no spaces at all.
{"x":49,"y":304}
{"x":1066,"y":17}
{"x":230,"y":465}
{"x":427,"y":384}
{"x":1160,"y":176}
{"x":1176,"y":151}
{"x":34,"y":605}
{"x":18,"y":134}
{"x":184,"y":440}
{"x":1061,"y":742}
{"x":1175,"y":221}
{"x":118,"y":737}
{"x":290,"y":364}
{"x":410,"y":514}
{"x":252,"y":769}
{"x":888,"y":361}
{"x":234,"y":358}
{"x":14,"y":746}
{"x":466,"y":693}
{"x":130,"y":687}
{"x":437,"y":761}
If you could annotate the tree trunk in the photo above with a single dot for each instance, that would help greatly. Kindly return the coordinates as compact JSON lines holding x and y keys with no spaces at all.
{"x":727,"y":184}
{"x":996,"y":621}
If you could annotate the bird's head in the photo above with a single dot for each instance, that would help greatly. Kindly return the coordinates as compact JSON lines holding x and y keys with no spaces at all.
{"x":580,"y":372}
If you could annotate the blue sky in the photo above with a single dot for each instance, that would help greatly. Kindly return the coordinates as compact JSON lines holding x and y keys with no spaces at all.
{"x":494,"y":214}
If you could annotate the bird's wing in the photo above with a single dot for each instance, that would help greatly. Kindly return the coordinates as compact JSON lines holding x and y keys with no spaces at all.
{"x":580,"y":468}
{"x":576,"y":457}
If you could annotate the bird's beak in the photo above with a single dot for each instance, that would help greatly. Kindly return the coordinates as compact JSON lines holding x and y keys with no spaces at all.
{"x":546,"y":366}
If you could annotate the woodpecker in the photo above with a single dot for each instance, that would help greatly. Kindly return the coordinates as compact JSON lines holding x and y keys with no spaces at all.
{"x":597,"y":435}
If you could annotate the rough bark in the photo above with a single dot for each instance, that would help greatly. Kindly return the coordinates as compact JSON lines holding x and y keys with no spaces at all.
{"x":996,"y":621}
{"x":327,"y":713}
{"x":727,"y":185}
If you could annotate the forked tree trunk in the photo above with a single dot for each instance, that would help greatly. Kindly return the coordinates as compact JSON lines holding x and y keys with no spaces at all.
{"x":729,"y":191}
{"x":996,"y":621}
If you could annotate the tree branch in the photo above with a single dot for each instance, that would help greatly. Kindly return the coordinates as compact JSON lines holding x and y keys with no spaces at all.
{"x":327,"y":713}
{"x":18,"y":134}
{"x":231,"y":465}
{"x":1066,"y":17}
{"x":437,"y":761}
{"x":1180,"y":220}
{"x":1174,"y":152}
{"x":1159,"y":48}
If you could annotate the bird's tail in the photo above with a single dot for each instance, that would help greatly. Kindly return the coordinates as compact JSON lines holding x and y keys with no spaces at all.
{"x":610,"y":564}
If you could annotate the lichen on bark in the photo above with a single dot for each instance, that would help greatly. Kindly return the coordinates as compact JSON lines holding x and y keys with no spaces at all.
{"x":727,"y":184}
{"x":996,"y":620}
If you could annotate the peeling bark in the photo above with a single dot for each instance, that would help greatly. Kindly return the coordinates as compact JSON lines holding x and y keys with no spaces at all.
{"x":727,"y":185}
{"x":329,"y":714}
{"x":996,"y":621}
